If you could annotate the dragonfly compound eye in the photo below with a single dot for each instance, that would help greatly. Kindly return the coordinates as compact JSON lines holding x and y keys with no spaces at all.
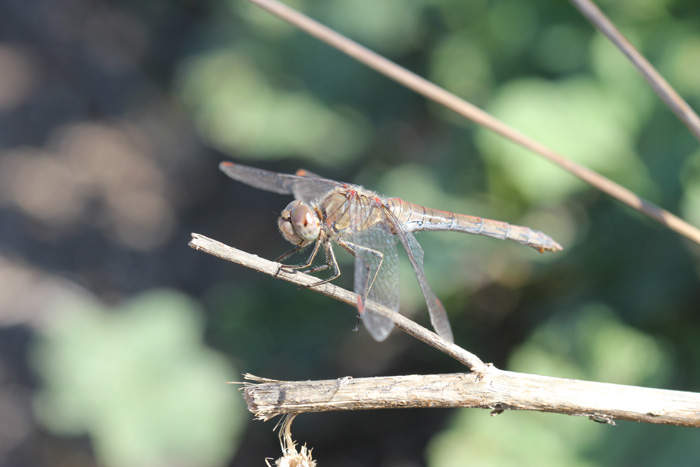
{"x":284,"y":223}
{"x":305,"y":222}
{"x":299,"y":224}
{"x":288,"y":231}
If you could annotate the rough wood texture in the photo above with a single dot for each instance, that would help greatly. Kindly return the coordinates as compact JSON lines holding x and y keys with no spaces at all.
{"x":496,"y":390}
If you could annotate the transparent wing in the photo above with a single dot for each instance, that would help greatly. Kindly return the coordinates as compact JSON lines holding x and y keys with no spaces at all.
{"x":376,"y":269}
{"x":438,"y":315}
{"x":304,"y":188}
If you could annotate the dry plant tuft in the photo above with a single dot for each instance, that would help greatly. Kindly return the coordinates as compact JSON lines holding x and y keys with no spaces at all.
{"x":290,"y":456}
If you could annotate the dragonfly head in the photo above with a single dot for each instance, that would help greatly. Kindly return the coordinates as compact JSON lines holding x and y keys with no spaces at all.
{"x":299,"y":224}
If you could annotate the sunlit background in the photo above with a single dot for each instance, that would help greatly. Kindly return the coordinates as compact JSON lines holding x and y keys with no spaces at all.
{"x":116,"y":339}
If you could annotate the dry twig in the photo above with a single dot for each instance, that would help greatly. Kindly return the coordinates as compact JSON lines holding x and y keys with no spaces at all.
{"x":496,"y":390}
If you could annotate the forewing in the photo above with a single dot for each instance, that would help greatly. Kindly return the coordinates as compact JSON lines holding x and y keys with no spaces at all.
{"x":303,"y":188}
{"x":308,"y":189}
{"x":376,"y":269}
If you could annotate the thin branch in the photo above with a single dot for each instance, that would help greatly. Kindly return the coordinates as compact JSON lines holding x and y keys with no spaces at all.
{"x":467,"y":110}
{"x":214,"y":248}
{"x":664,"y":90}
{"x":495,"y":389}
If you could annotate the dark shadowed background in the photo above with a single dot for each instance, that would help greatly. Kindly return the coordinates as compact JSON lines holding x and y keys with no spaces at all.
{"x":116,"y":338}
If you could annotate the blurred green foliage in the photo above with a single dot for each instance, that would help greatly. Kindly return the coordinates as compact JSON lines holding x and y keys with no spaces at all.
{"x":144,"y":381}
{"x":238,"y":109}
{"x":139,"y":381}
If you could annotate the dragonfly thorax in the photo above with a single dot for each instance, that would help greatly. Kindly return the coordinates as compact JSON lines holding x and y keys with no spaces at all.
{"x":299,"y":224}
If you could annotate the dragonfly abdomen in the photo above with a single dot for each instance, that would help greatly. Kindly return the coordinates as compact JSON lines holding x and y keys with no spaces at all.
{"x":415,"y":218}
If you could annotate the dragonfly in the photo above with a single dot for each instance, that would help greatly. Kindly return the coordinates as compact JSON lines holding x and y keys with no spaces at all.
{"x":368,"y":226}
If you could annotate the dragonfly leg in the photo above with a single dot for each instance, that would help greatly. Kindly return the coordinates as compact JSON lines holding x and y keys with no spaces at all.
{"x":284,"y":256}
{"x":320,"y":267}
{"x":289,"y":253}
{"x":331,"y":262}
{"x":352,"y":248}
{"x":309,"y":261}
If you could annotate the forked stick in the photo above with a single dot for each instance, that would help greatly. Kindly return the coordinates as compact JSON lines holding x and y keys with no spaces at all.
{"x":486,"y":387}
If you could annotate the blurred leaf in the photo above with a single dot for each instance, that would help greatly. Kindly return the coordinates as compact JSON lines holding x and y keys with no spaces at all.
{"x":574,"y":117}
{"x":513,"y":438}
{"x":682,"y":60}
{"x":461,"y":66}
{"x":239,"y":110}
{"x":513,"y":25}
{"x":591,"y":343}
{"x":631,"y":100}
{"x":140,"y":382}
{"x":690,"y":206}
{"x":556,"y":38}
{"x":637,"y":10}
{"x":389,"y":26}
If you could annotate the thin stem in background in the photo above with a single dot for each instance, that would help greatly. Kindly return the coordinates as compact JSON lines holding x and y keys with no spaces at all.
{"x":471,"y":112}
{"x":664,"y":90}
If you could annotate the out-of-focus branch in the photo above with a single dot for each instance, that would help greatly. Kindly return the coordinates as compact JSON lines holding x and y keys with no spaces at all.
{"x":478,"y":116}
{"x":212,"y":247}
{"x":495,"y":389}
{"x":664,"y":90}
